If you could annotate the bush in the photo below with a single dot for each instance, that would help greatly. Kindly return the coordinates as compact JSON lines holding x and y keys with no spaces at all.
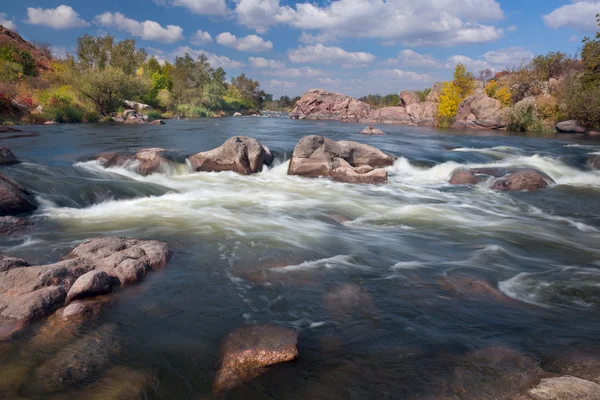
{"x":552,"y":65}
{"x":547,"y":107}
{"x":523,"y":119}
{"x":8,"y":93}
{"x":10,"y":72}
{"x":154,"y":114}
{"x":189,"y":111}
{"x":581,"y":102}
{"x":449,"y":100}
{"x":500,"y":93}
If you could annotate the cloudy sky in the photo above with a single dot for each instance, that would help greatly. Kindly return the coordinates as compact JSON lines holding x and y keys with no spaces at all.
{"x":351,"y":46}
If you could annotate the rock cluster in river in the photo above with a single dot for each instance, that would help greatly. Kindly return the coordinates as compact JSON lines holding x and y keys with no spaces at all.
{"x":344,"y":161}
{"x":28,"y":293}
{"x":504,"y":180}
{"x":240,"y":154}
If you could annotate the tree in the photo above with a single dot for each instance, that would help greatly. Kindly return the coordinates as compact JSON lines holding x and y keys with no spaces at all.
{"x":450,"y":98}
{"x":248,"y":89}
{"x":590,"y":57}
{"x":464,"y":81}
{"x":99,"y":52}
{"x":498,"y":92}
{"x":485,"y":75}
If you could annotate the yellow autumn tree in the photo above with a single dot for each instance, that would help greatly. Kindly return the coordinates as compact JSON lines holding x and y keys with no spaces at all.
{"x":500,"y":93}
{"x":450,"y":98}
{"x":464,"y":81}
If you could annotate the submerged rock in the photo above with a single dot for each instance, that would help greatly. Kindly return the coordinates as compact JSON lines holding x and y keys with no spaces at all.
{"x":14,"y":198}
{"x":8,"y":129}
{"x":316,"y":156}
{"x":158,"y":122}
{"x":28,"y":293}
{"x":371,"y":131}
{"x":247,"y":350}
{"x":14,"y":225}
{"x":569,"y":127}
{"x":344,"y":302}
{"x":76,"y":363}
{"x":594,"y":163}
{"x":7,"y":157}
{"x":566,"y":387}
{"x":523,"y":180}
{"x":239,"y":154}
{"x":464,"y":177}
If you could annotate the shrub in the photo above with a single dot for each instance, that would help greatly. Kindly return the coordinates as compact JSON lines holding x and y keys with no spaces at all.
{"x":10,"y":72}
{"x":581,"y":102}
{"x":500,"y":93}
{"x":8,"y":93}
{"x":154,"y":114}
{"x":165,"y":99}
{"x":189,"y":111}
{"x":552,"y":65}
{"x":450,"y":99}
{"x":547,"y":107}
{"x":523,"y":119}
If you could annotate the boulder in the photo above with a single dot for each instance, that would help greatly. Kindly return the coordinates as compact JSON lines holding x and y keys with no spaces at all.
{"x":409,"y":98}
{"x":158,"y":122}
{"x":316,"y":156}
{"x":569,"y":127}
{"x":90,"y":284}
{"x":28,"y":293}
{"x":480,"y":112}
{"x":594,"y":162}
{"x":390,"y":115}
{"x":14,"y":198}
{"x":10,"y":225}
{"x":237,"y":114}
{"x":464,"y":177}
{"x":566,"y":387}
{"x":50,"y":123}
{"x":144,"y":162}
{"x":8,"y":129}
{"x":422,"y":111}
{"x":83,"y":309}
{"x":8,"y":262}
{"x":240,"y":154}
{"x":7,"y":157}
{"x":76,"y":363}
{"x":371,"y":131}
{"x":434,"y":95}
{"x":323,"y":105}
{"x":248,"y":350}
{"x":522,"y":180}
{"x":137,"y":106}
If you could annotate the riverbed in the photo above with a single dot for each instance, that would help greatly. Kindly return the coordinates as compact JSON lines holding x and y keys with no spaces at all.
{"x":407,"y":290}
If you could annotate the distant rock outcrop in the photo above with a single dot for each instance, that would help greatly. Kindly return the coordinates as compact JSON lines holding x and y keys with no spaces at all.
{"x":321,"y":104}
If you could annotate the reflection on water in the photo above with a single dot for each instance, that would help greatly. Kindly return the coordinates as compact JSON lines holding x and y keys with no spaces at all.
{"x":414,"y":289}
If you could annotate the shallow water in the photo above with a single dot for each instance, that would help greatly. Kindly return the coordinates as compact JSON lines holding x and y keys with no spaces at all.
{"x":438,"y":272}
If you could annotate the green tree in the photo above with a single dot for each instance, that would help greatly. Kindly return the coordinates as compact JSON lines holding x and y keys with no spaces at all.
{"x":464,"y":81}
{"x":100,"y":52}
{"x":10,"y":72}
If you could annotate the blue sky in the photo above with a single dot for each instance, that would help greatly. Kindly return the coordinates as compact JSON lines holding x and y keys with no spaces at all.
{"x":350,"y":46}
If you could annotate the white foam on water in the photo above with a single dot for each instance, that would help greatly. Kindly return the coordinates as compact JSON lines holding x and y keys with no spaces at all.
{"x":336,"y":262}
{"x":498,"y":151}
{"x":518,"y":288}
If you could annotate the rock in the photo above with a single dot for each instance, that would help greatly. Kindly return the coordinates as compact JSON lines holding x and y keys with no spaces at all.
{"x":316,"y":156}
{"x":28,"y":293}
{"x":594,"y":163}
{"x":137,"y":106}
{"x":246,"y":351}
{"x":566,"y":387}
{"x":237,"y":114}
{"x":423,"y":111}
{"x":569,"y":127}
{"x":434,"y":95}
{"x":7,"y":157}
{"x":158,"y":122}
{"x":76,"y":363}
{"x":38,"y":110}
{"x":409,"y":98}
{"x":50,"y":123}
{"x":14,"y":198}
{"x":390,"y":115}
{"x":240,"y":154}
{"x":323,"y":105}
{"x":487,"y":113}
{"x":144,"y":162}
{"x":83,"y":309}
{"x":129,"y":114}
{"x":464,"y":177}
{"x":14,"y":225}
{"x":90,"y":284}
{"x":346,"y":301}
{"x":8,"y":129}
{"x":522,"y":180}
{"x":8,"y":262}
{"x":584,"y":364}
{"x":371,"y":131}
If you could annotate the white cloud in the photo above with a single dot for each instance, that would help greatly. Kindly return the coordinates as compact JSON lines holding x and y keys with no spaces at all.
{"x":58,"y":52}
{"x":7,"y":23}
{"x":147,"y":30}
{"x":580,"y":15}
{"x":512,"y":56}
{"x":304,"y":72}
{"x":259,"y":62}
{"x":412,"y":58}
{"x":422,"y":22}
{"x":248,"y":43}
{"x":323,"y":54}
{"x":215,"y":60}
{"x":329,"y":81}
{"x":202,"y":7}
{"x":322,"y":38}
{"x":200,"y":37}
{"x":274,"y":83}
{"x":398,"y":74}
{"x":511,"y":28}
{"x":61,"y":17}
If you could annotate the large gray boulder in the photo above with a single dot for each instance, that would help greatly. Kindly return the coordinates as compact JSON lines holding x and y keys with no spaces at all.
{"x":434,"y":95}
{"x":323,"y":105}
{"x":390,"y":115}
{"x":248,"y":350}
{"x":144,"y":162}
{"x":480,"y":112}
{"x":239,"y":154}
{"x":344,"y":161}
{"x":14,"y":198}
{"x":28,"y":293}
{"x":137,"y":106}
{"x":522,"y":180}
{"x":423,"y":111}
{"x":408,"y":98}
{"x":569,"y":127}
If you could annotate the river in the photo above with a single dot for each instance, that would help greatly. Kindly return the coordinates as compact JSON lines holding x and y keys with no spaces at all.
{"x":396,"y":289}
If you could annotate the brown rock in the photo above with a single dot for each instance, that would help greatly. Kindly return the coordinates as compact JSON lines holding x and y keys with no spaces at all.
{"x":13,"y":225}
{"x":489,"y":171}
{"x":240,"y":154}
{"x":90,"y":284}
{"x":8,"y":262}
{"x":76,"y":363}
{"x":144,"y":162}
{"x":566,"y":388}
{"x":8,"y":129}
{"x":584,"y":364}
{"x":51,"y":123}
{"x":246,"y":351}
{"x":423,"y":111}
{"x":316,"y":156}
{"x":7,"y":157}
{"x":434,"y":95}
{"x":14,"y":198}
{"x":371,"y":131}
{"x":408,"y":98}
{"x":158,"y":122}
{"x":569,"y":127}
{"x":391,"y":115}
{"x":348,"y":300}
{"x":83,"y":309}
{"x":321,"y":104}
{"x":464,"y":177}
{"x":487,"y":113}
{"x":523,"y":180}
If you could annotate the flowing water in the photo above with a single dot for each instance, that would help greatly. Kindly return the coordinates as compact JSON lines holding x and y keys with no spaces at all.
{"x":389,"y":286}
